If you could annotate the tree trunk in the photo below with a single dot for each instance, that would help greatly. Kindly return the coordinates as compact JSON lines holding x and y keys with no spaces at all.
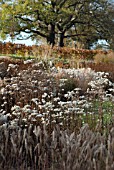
{"x":61,"y":40}
{"x":51,"y":38}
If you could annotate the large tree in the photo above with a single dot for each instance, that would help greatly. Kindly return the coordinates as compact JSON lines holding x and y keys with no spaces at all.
{"x":54,"y":20}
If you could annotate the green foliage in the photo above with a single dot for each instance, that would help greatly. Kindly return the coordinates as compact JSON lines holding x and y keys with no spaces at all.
{"x":102,"y":114}
{"x":106,"y":107}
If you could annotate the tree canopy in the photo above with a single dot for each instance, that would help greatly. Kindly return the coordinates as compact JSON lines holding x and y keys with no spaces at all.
{"x":54,"y":20}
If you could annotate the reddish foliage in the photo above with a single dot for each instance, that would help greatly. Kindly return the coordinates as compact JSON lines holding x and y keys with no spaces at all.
{"x":65,"y":52}
{"x":10,"y":48}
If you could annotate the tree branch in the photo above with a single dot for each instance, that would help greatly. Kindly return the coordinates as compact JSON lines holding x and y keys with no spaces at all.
{"x":74,"y":35}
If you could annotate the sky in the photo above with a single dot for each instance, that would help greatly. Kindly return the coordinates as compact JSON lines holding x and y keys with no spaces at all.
{"x":28,"y":42}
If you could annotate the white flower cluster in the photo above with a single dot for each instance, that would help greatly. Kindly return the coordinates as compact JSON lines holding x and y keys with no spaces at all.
{"x":35,"y":96}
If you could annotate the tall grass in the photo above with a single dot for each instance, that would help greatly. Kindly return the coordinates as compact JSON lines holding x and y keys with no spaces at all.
{"x":34,"y":148}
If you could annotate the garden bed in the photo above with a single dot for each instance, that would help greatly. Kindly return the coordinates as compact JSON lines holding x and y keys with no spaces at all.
{"x":47,"y":109}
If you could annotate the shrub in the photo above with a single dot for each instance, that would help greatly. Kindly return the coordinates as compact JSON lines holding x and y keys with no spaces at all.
{"x":69,"y":85}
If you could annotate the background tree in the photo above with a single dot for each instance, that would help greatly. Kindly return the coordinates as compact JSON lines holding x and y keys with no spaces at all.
{"x":98,"y":16}
{"x":110,"y":23}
